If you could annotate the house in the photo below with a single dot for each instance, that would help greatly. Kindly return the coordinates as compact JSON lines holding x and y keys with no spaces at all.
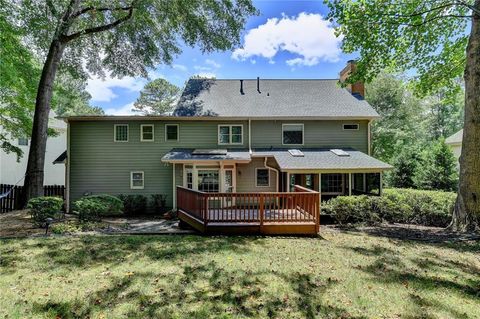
{"x":256,"y":151}
{"x":12,"y":171}
{"x":455,"y":143}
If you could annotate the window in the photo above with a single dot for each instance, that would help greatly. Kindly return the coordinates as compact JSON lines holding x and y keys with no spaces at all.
{"x":23,"y":141}
{"x":121,"y":133}
{"x":263,"y":177}
{"x":189,"y":179}
{"x":292,"y":134}
{"x":332,"y":183}
{"x":137,"y":180}
{"x":171,"y":132}
{"x":208,"y":181}
{"x":230,"y":134}
{"x":147,"y":132}
{"x":350,"y":127}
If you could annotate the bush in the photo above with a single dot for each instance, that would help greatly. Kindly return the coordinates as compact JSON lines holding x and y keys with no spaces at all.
{"x":90,"y":208}
{"x":134,"y":204}
{"x":114,"y":204}
{"x":159,"y":203}
{"x":42,"y":208}
{"x":428,"y":208}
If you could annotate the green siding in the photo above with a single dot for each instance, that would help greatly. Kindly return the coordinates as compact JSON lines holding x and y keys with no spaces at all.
{"x":266,"y":134}
{"x":246,"y":177}
{"x":100,"y":165}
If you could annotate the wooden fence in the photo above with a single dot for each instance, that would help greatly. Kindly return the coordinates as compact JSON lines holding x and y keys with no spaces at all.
{"x":13,"y":200}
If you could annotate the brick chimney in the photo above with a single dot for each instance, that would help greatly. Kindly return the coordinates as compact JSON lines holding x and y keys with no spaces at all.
{"x":357,"y":89}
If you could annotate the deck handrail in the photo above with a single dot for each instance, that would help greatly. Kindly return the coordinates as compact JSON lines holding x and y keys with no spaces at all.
{"x":300,"y":206}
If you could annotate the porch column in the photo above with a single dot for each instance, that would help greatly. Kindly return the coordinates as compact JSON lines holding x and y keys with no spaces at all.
{"x":174,"y":193}
{"x":349,"y":184}
{"x":194,"y":177}
{"x":380,"y":188}
{"x":288,"y":182}
{"x":320,"y":185}
{"x":221,"y":179}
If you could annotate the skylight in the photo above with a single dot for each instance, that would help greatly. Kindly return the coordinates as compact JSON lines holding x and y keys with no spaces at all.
{"x":296,"y":153}
{"x":199,"y":151}
{"x":339,"y":152}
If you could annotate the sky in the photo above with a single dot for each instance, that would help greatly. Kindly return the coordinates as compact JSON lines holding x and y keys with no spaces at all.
{"x":287,"y":40}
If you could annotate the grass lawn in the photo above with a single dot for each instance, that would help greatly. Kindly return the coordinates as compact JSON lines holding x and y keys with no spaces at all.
{"x":343,"y":275}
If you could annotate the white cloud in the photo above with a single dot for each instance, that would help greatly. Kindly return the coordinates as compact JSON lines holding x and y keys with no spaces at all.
{"x":180,"y":67}
{"x":206,"y":75}
{"x":124,"y":110}
{"x":101,"y":90}
{"x":212,"y":63}
{"x":308,"y":35}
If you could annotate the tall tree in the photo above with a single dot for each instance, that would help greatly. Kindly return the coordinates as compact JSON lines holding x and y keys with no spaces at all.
{"x":431,"y":38}
{"x":124,"y":37}
{"x":158,"y":97}
{"x":445,"y":113}
{"x":400,"y":111}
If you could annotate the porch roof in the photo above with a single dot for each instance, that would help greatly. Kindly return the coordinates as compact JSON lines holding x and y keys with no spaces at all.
{"x":178,"y":155}
{"x":323,"y":159}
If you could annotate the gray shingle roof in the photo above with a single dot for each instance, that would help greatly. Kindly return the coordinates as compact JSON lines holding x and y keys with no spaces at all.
{"x":455,"y":138}
{"x":278,"y":98}
{"x":177,"y":154}
{"x":316,"y":159}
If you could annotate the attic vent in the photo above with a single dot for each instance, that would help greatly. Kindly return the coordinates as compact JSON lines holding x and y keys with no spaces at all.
{"x":209,"y":152}
{"x":339,"y":152}
{"x":296,"y":153}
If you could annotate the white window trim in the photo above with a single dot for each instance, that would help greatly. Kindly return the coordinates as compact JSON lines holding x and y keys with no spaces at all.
{"x":303,"y":132}
{"x":256,"y":177}
{"x":115,"y":133}
{"x":178,"y":133}
{"x":131,"y":180}
{"x":351,"y":129}
{"x":141,"y":132}
{"x":230,"y":132}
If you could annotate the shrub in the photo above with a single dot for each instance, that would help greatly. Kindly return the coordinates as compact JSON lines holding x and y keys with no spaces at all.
{"x":89,"y":208}
{"x":42,"y":208}
{"x":159,"y":202}
{"x":134,"y":204}
{"x":114,"y":204}
{"x":71,"y":227}
{"x":429,"y":208}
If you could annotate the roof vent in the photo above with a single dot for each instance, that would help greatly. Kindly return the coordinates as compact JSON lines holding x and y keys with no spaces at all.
{"x":296,"y":153}
{"x":339,"y":152}
{"x":241,"y":87}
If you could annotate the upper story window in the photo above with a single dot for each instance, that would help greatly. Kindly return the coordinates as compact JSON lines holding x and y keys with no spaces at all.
{"x":137,"y":180}
{"x":292,"y":134}
{"x":23,"y":141}
{"x":230,"y":134}
{"x":171,"y":132}
{"x":350,"y":127}
{"x":121,"y":133}
{"x":146,"y":132}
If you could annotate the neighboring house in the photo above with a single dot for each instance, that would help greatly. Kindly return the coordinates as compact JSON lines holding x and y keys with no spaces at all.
{"x":455,"y":143}
{"x":12,"y":171}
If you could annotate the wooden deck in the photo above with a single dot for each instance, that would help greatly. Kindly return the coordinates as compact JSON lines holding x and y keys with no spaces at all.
{"x":284,"y":213}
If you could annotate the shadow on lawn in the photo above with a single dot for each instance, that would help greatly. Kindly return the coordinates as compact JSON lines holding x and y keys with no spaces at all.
{"x":206,"y":291}
{"x":429,"y":272}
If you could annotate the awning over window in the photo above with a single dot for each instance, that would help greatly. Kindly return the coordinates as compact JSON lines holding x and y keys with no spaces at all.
{"x":61,"y":159}
{"x":324,"y":159}
{"x":201,"y":155}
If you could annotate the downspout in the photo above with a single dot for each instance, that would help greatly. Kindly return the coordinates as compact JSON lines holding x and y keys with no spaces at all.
{"x":250,"y":136}
{"x":369,"y":136}
{"x":273,"y":169}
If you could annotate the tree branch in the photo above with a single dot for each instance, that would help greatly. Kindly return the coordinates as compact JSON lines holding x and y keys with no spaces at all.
{"x":52,"y":8}
{"x":88,"y":9}
{"x":431,"y":20}
{"x":416,"y":14}
{"x":68,"y":38}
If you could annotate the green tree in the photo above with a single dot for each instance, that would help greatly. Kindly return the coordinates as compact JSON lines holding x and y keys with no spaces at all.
{"x":405,"y":166}
{"x":438,"y":171}
{"x":432,"y":39}
{"x":158,"y":97}
{"x":400,"y":111}
{"x":445,"y":113}
{"x":125,"y":37}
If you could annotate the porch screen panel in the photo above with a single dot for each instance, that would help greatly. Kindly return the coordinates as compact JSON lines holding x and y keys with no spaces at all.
{"x":332,"y":183}
{"x":208,"y":181}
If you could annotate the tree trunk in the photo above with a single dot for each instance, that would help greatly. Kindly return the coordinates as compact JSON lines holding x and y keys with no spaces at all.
{"x":466,"y":215}
{"x":36,"y":156}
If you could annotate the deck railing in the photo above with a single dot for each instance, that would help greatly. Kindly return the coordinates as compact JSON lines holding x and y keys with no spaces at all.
{"x":300,"y":206}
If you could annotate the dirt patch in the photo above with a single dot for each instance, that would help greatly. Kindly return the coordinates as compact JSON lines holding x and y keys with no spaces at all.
{"x":18,"y":224}
{"x":407,"y":232}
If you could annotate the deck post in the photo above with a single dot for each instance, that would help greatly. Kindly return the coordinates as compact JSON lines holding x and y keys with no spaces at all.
{"x":349,"y":184}
{"x":262,"y":210}
{"x":205,"y":209}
